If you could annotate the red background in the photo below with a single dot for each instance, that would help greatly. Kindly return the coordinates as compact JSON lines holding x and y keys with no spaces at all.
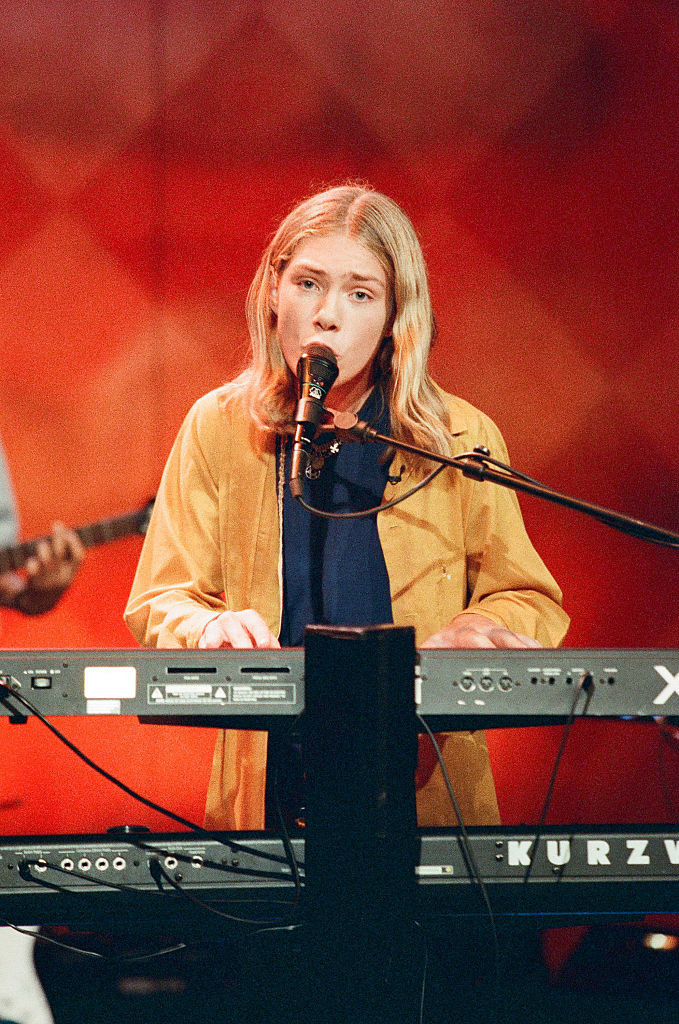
{"x":148,"y":149}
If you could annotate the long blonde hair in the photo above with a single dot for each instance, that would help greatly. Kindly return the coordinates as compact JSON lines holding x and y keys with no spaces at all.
{"x":417,"y":411}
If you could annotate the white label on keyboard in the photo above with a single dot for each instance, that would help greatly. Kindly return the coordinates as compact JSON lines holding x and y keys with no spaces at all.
{"x":102,"y":707}
{"x":433,"y":870}
{"x":110,"y":682}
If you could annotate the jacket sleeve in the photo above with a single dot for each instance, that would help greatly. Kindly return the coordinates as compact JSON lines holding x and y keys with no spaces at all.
{"x":507,"y":580}
{"x":178,"y":584}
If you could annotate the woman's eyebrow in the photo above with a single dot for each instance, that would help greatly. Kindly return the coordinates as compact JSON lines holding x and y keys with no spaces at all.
{"x":307,"y":268}
{"x":366,"y":278}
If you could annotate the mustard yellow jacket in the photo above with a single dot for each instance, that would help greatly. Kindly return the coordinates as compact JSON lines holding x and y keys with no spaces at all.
{"x":214,"y":542}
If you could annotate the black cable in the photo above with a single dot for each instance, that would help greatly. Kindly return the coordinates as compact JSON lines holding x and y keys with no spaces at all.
{"x":478,"y":456}
{"x":587,"y":684}
{"x":154,"y":847}
{"x":198,"y":829}
{"x":364,"y":513}
{"x":287,"y":844}
{"x":158,"y":873}
{"x":284,"y":835}
{"x":25,"y":873}
{"x":474,"y":464}
{"x":55,"y":942}
{"x":467,"y":850}
{"x":137,"y":890}
{"x":50,"y":940}
{"x":425,"y":966}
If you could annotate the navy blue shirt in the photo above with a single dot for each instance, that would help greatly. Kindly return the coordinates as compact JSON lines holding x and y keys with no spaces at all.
{"x":333,"y":572}
{"x":333,"y":569}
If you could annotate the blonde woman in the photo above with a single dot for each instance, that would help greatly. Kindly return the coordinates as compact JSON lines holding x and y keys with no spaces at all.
{"x":231,"y":560}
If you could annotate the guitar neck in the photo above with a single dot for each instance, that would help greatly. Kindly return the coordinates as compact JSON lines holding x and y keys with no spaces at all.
{"x":92,"y":534}
{"x":106,"y":530}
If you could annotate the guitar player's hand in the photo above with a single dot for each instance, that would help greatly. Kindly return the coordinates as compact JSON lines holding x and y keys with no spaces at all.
{"x":45,"y":575}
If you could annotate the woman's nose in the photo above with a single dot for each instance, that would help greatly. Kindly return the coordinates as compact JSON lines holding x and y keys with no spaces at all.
{"x":327,"y":314}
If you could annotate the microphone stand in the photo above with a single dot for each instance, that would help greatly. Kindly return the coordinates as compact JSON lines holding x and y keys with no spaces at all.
{"x":479,"y":465}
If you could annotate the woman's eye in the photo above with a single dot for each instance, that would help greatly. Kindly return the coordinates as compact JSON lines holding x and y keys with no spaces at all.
{"x":361,"y":296}
{"x":307,"y":284}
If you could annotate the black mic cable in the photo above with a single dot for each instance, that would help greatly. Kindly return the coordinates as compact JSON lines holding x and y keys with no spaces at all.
{"x":316,"y":372}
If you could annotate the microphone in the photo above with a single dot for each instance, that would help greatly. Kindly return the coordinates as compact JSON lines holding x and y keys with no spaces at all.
{"x":316,"y":372}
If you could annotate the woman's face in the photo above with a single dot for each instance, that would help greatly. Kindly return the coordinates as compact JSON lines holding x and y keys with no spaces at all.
{"x":334,"y":291}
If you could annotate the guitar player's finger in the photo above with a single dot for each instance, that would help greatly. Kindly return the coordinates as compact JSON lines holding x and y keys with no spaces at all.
{"x":41,"y":557}
{"x":58,"y":542}
{"x":66,"y":544}
{"x":31,"y":566}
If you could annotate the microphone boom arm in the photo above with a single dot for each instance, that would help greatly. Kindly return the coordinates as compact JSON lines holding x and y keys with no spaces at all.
{"x":478,"y":465}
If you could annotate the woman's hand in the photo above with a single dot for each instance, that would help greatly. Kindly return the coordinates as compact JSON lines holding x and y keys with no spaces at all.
{"x":470,"y":629}
{"x":237,"y":629}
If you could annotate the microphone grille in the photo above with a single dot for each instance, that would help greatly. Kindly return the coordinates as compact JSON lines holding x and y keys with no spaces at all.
{"x":318,"y":363}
